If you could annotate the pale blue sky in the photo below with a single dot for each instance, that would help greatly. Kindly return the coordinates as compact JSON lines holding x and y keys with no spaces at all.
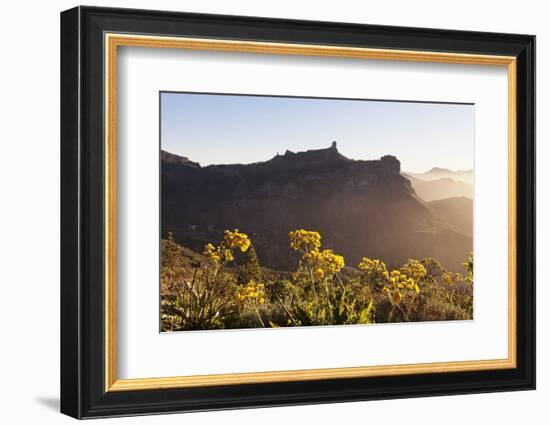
{"x":228,"y":129}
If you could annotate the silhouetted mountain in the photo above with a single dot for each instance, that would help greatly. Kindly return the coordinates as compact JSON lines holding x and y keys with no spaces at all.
{"x":456,"y":211}
{"x":170,"y":158}
{"x":432,"y":190}
{"x":361,"y":208}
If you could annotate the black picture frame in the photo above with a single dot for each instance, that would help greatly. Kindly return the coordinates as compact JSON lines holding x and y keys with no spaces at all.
{"x":83,"y":392}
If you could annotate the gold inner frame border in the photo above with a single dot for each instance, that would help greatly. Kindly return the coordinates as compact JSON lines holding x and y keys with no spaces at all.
{"x":112,"y":41}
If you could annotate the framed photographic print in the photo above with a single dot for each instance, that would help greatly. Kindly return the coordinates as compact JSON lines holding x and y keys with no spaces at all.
{"x":261,"y":212}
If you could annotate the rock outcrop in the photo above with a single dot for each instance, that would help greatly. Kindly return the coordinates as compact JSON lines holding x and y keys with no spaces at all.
{"x":171,"y":158}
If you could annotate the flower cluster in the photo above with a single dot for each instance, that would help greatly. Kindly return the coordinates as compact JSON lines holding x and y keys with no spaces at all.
{"x":223,"y":253}
{"x":414,"y":269}
{"x":469,"y":264}
{"x":324,"y":262}
{"x":402,"y":281}
{"x":304,"y":240}
{"x":251,"y":295}
{"x":328,"y":261}
{"x":397,"y":284}
{"x":450,"y":278}
{"x":375,"y":270}
{"x":235,"y":240}
{"x":315,"y":262}
{"x":219,"y":254}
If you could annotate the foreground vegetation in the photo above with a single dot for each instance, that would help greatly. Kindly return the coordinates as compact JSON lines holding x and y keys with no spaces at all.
{"x":210,"y":291}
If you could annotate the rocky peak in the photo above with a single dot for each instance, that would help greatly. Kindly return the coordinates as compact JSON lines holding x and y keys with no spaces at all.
{"x":310,"y":158}
{"x":391,"y":163}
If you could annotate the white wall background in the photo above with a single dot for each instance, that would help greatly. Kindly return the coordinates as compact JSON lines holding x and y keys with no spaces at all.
{"x":29,"y":213}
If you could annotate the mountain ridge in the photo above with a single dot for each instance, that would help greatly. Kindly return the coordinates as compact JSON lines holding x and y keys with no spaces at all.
{"x":441,"y":188}
{"x":360,"y":207}
{"x":436,"y":173}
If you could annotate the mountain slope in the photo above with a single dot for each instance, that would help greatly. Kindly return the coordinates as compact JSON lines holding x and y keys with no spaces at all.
{"x":361,"y":208}
{"x":457,"y":212}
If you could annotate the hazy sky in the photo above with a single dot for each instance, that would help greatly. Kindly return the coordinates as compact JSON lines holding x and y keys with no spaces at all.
{"x":227,"y":129}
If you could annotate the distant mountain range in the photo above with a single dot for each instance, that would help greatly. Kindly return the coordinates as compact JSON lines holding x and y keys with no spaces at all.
{"x":440,"y":183}
{"x":436,"y":173}
{"x":443,"y":188}
{"x":361,"y":208}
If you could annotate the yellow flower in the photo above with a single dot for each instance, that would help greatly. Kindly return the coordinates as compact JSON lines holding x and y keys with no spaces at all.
{"x":396,"y":274}
{"x":208,"y":250}
{"x":311,"y":256}
{"x":319,"y":273}
{"x":330,"y":261}
{"x":251,"y":295}
{"x":324,"y":262}
{"x":375,"y":270}
{"x":236,"y":239}
{"x":398,"y":280}
{"x":414,"y":269}
{"x":447,"y":278}
{"x":304,"y":240}
{"x":218,"y":254}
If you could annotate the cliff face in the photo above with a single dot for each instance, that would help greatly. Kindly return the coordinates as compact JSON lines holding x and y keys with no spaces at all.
{"x":361,"y":208}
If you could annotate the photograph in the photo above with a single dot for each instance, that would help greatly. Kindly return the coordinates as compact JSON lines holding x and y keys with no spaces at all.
{"x":281,"y":211}
{"x":257,"y":210}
